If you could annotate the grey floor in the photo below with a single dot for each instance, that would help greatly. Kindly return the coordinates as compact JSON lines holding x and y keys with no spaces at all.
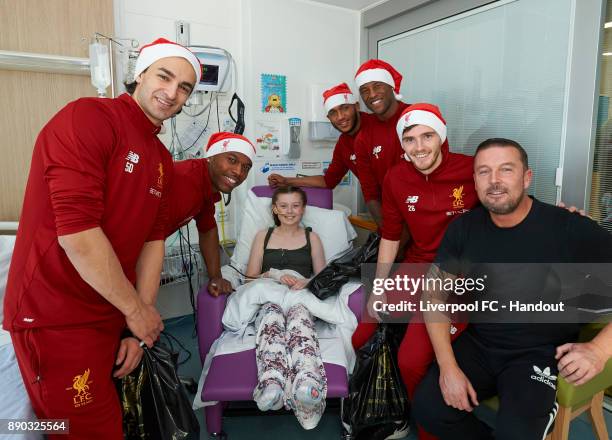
{"x":271,"y":427}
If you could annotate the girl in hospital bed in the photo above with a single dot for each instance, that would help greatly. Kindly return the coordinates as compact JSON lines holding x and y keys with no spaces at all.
{"x":289,"y":366}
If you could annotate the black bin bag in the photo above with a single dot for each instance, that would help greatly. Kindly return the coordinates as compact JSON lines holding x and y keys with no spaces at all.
{"x":155,"y":403}
{"x":377,"y":395}
{"x":337,"y":273}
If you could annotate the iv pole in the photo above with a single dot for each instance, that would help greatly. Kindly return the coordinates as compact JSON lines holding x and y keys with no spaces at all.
{"x":111,"y":56}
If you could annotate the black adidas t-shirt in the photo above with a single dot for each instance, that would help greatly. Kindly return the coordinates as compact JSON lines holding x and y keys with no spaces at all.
{"x":547,"y":235}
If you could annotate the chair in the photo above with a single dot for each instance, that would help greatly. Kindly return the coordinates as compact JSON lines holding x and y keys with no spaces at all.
{"x":233,"y":377}
{"x":574,"y":400}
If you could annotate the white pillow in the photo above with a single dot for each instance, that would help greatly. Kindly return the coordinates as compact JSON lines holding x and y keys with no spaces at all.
{"x":333,"y":227}
{"x":7,"y":242}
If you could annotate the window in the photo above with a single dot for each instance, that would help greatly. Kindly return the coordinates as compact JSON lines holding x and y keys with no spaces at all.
{"x":600,"y":207}
{"x":496,"y":71}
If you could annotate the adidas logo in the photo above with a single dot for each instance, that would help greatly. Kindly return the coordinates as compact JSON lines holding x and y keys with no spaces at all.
{"x":544,"y":376}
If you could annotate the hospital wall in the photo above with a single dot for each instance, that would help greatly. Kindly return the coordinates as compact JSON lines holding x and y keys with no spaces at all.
{"x":308,"y":43}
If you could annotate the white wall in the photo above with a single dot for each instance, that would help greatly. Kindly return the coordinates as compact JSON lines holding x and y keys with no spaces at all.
{"x":311,"y":44}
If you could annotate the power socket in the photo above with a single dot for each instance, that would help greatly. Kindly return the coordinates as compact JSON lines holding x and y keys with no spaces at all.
{"x":182,"y":32}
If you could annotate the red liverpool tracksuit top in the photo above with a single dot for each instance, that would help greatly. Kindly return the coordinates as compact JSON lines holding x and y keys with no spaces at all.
{"x":427,"y":203}
{"x":192,"y":196}
{"x":345,"y":156}
{"x":378,"y":149}
{"x":97,"y":163}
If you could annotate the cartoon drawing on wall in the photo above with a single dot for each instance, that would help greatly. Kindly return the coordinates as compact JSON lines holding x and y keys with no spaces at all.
{"x":273,"y":93}
{"x":267,"y":138}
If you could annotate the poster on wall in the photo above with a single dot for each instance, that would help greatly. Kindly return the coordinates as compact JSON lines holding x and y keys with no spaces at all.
{"x":346,"y":180}
{"x":268,"y":139}
{"x":273,"y":93}
{"x":263,"y":169}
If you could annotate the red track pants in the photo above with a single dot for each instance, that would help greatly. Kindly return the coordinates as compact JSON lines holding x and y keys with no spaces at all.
{"x":67,"y":373}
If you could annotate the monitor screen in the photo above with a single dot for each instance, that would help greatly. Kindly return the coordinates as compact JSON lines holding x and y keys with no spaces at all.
{"x":210,"y":74}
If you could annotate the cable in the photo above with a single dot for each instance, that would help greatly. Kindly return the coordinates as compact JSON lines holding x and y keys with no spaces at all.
{"x":170,"y":337}
{"x":187,"y":269}
{"x":181,"y":153}
{"x":246,"y":277}
{"x":224,"y":240}
{"x":217,"y":105}
{"x":231,"y":66}
{"x":206,"y":107}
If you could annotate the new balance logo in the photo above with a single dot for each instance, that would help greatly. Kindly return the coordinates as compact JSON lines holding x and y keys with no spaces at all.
{"x":410,"y":202}
{"x":132,"y":159}
{"x":544,"y":376}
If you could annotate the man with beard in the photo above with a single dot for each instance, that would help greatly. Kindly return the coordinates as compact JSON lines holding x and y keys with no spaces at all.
{"x":377,"y":146}
{"x":196,"y":188}
{"x":89,"y":249}
{"x":516,"y":361}
{"x":425,"y":191}
{"x":343,"y":112}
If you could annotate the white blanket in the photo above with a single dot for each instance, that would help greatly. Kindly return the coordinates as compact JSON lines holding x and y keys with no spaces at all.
{"x":243,"y":305}
{"x":334,"y":327}
{"x":7,"y":242}
{"x":15,"y":403}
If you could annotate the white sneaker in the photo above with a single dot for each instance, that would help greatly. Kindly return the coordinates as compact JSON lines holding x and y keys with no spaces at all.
{"x":401,"y":431}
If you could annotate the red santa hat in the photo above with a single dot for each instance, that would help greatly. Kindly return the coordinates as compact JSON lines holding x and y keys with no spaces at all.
{"x":379,"y":70}
{"x":224,"y":142}
{"x":338,"y":95}
{"x":162,"y":48}
{"x":422,"y":114}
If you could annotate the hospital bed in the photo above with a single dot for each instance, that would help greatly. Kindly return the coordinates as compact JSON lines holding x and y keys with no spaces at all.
{"x":232,"y":377}
{"x":15,"y":403}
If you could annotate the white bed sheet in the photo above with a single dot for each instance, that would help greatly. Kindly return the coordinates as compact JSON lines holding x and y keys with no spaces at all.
{"x":15,"y":403}
{"x":334,"y":339}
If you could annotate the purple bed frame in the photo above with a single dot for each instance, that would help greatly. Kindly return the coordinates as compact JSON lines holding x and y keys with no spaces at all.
{"x":232,"y":377}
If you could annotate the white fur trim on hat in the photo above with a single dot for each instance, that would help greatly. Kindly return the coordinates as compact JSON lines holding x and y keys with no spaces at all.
{"x":150,"y":54}
{"x":339,"y":99}
{"x":380,"y":75}
{"x":421,"y":117}
{"x":231,"y":144}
